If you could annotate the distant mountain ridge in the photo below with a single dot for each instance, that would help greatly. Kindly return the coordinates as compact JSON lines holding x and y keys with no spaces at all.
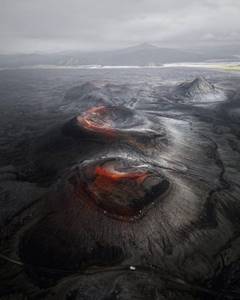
{"x":140,"y":55}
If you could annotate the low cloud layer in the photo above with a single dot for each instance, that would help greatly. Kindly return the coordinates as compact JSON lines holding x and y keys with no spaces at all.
{"x":53,"y":25}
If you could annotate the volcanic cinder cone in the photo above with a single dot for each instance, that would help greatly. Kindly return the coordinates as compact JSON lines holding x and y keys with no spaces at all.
{"x":114,"y":192}
{"x":109,"y":123}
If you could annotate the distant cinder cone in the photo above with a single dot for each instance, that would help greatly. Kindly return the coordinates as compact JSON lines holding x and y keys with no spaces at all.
{"x":196,"y":87}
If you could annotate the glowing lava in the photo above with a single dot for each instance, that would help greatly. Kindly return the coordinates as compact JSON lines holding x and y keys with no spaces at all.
{"x":110,"y":174}
{"x":97,"y":119}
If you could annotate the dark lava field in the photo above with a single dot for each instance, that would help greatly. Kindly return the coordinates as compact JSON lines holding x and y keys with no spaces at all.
{"x":119,"y":184}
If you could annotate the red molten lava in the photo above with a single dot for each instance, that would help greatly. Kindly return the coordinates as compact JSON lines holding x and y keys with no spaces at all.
{"x":97,"y":119}
{"x":113,"y":175}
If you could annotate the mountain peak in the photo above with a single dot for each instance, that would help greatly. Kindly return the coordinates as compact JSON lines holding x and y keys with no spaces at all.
{"x":201,"y":83}
{"x":144,"y":46}
{"x":198,"y":86}
{"x":200,"y":80}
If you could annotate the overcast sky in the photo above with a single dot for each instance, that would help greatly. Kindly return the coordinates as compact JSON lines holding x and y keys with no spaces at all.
{"x":58,"y":25}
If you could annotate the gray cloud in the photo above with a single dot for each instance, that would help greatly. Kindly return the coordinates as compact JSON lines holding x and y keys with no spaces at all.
{"x":57,"y":25}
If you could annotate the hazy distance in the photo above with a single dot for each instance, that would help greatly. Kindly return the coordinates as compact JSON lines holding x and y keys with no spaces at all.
{"x":31,"y":26}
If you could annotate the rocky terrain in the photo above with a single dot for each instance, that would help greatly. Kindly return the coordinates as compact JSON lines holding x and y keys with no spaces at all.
{"x":122,"y":190}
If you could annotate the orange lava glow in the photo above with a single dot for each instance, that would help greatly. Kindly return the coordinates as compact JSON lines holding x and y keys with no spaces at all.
{"x":96,"y":119}
{"x":113,"y":175}
{"x":120,"y":190}
{"x":111,"y":188}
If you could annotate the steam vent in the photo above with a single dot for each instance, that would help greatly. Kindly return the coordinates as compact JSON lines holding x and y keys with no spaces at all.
{"x":108,"y":123}
{"x":112,"y":191}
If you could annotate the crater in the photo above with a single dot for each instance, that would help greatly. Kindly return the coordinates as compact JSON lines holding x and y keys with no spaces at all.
{"x":121,"y":188}
{"x":110,"y":123}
